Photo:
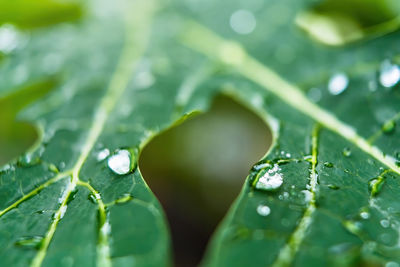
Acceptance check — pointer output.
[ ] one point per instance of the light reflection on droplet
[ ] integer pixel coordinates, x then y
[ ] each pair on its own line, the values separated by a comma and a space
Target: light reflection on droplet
338, 83
243, 21
389, 74
385, 223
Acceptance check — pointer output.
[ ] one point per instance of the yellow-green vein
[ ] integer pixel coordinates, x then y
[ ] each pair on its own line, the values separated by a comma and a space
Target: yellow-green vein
288, 252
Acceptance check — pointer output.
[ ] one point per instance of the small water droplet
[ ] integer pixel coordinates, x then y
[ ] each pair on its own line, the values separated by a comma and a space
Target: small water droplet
334, 187
364, 214
389, 127
270, 180
92, 198
385, 223
121, 162
243, 21
375, 185
328, 164
307, 196
9, 38
28, 160
392, 264
346, 152
263, 210
314, 94
338, 83
102, 154
389, 74
288, 155
53, 168
29, 242
63, 210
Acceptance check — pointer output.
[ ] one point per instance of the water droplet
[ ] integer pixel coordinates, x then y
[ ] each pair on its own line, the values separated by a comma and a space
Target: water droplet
53, 168
144, 79
392, 264
389, 127
30, 242
243, 21
307, 196
334, 187
270, 180
92, 198
338, 83
28, 160
346, 152
288, 155
375, 185
102, 154
385, 223
63, 210
106, 228
9, 38
389, 74
120, 162
328, 164
314, 94
364, 214
263, 210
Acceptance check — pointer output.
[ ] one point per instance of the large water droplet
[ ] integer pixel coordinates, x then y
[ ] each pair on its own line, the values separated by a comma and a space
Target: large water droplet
120, 162
243, 21
263, 210
338, 83
271, 180
29, 242
389, 74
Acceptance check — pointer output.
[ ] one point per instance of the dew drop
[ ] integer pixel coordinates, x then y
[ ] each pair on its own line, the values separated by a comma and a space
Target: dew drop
392, 264
120, 162
102, 154
385, 223
314, 94
29, 242
389, 127
263, 210
334, 187
53, 168
389, 74
271, 180
338, 83
307, 196
365, 215
28, 160
375, 185
9, 38
243, 21
346, 152
328, 164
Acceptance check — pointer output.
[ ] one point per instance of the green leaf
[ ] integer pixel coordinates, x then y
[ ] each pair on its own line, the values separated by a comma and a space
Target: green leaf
325, 194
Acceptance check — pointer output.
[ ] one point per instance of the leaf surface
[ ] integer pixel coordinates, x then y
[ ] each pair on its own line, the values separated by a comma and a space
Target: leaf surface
122, 77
